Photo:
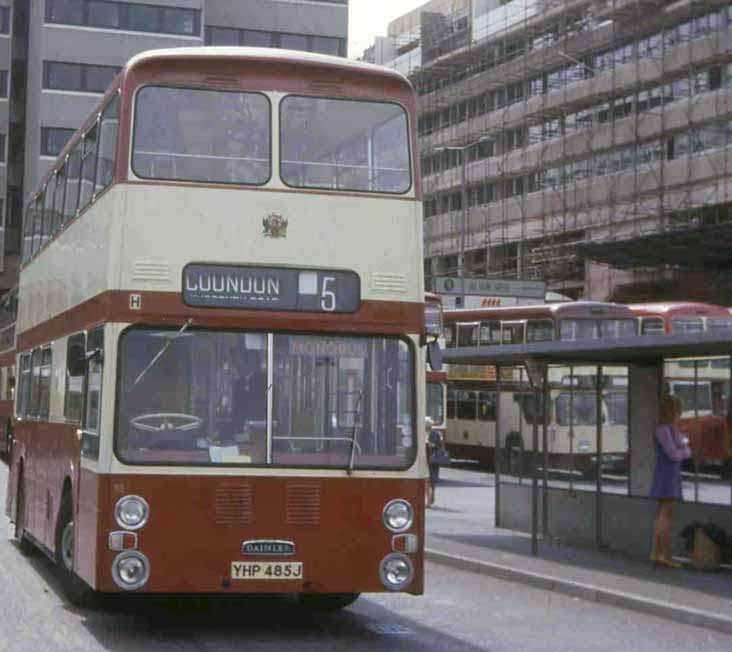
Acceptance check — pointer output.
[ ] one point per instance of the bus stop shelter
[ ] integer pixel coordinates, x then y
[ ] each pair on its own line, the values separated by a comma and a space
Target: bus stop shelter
608, 510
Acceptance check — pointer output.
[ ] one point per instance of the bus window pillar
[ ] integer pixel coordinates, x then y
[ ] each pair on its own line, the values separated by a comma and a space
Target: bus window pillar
644, 391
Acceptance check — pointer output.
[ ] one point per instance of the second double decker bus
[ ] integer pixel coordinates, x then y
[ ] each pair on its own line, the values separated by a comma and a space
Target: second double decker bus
475, 419
221, 387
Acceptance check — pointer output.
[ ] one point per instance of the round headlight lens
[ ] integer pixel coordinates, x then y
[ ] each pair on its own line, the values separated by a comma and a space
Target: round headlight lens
131, 512
398, 515
396, 571
130, 570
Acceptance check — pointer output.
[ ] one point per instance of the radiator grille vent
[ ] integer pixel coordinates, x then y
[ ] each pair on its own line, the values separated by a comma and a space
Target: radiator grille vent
383, 282
303, 504
151, 270
234, 504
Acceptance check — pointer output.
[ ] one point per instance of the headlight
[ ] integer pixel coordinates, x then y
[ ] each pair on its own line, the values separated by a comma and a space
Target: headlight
131, 512
583, 445
396, 571
398, 515
130, 570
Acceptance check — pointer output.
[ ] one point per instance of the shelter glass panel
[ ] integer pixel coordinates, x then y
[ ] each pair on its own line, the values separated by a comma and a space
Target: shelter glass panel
702, 387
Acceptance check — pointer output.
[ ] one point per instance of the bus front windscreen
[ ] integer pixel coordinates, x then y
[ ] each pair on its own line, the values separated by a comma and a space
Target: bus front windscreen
201, 397
344, 145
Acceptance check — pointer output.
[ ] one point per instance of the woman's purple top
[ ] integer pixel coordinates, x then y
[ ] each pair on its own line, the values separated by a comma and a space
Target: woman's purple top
671, 450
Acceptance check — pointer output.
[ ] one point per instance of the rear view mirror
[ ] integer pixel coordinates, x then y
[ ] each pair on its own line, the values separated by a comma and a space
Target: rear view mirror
434, 356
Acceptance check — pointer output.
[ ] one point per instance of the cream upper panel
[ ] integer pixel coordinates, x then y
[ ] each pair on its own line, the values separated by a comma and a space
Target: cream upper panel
140, 236
166, 227
76, 265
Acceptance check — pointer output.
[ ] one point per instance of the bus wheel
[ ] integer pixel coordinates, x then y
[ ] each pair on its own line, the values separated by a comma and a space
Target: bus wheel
327, 601
76, 591
24, 545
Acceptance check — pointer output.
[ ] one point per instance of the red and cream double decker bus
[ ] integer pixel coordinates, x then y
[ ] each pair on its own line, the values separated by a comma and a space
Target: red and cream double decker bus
476, 420
221, 385
8, 315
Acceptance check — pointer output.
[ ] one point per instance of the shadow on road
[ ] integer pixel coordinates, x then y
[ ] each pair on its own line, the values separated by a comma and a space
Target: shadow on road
127, 623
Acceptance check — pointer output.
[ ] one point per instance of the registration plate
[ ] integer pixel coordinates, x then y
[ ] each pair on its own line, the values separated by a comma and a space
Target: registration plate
266, 570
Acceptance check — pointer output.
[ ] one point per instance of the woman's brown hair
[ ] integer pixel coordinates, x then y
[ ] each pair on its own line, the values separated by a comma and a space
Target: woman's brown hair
669, 408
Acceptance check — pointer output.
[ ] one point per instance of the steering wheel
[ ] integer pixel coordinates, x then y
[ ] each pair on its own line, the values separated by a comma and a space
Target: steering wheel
167, 422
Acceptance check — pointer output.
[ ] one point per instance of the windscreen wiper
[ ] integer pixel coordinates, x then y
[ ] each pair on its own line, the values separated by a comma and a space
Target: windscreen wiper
164, 348
352, 456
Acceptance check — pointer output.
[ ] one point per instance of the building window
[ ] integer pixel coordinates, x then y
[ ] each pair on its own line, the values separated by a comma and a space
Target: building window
77, 77
327, 45
256, 38
2, 152
125, 16
294, 42
53, 140
3, 83
4, 20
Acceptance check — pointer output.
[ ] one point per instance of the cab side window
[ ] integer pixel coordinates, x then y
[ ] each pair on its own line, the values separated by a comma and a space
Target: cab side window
75, 366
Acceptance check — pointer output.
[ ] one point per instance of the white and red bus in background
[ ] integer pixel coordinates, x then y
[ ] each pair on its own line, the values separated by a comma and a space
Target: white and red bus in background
472, 401
221, 388
8, 315
702, 384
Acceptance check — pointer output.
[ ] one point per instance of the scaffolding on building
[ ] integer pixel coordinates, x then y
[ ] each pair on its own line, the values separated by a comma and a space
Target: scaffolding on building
602, 143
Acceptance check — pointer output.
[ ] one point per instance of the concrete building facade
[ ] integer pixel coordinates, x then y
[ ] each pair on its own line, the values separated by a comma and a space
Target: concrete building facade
62, 54
597, 144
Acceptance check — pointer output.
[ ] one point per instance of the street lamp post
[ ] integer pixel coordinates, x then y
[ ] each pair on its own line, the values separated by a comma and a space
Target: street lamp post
463, 149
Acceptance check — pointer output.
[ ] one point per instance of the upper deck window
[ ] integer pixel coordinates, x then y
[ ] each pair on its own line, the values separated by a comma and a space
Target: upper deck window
344, 145
652, 326
592, 329
687, 325
185, 134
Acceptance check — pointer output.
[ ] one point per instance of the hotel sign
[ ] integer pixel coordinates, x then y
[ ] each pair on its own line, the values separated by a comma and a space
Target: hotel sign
270, 288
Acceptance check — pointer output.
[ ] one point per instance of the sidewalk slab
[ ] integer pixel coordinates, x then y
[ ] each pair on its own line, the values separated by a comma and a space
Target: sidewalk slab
460, 533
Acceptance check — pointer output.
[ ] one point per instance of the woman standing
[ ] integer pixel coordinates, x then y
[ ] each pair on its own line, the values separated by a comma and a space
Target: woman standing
433, 442
671, 449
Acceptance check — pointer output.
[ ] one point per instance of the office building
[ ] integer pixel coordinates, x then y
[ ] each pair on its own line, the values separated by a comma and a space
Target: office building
597, 137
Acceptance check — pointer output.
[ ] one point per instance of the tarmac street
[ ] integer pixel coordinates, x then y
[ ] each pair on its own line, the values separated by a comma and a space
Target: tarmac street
461, 611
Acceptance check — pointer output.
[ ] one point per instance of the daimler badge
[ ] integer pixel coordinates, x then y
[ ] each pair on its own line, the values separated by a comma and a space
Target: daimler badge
267, 547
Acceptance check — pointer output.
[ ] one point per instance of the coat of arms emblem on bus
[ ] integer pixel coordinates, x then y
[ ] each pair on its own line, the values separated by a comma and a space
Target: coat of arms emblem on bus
275, 226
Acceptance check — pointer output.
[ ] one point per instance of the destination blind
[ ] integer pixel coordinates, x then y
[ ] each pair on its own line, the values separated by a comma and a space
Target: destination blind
270, 288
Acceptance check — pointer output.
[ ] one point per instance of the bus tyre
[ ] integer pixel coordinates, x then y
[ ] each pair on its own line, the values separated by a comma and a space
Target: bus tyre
327, 601
76, 591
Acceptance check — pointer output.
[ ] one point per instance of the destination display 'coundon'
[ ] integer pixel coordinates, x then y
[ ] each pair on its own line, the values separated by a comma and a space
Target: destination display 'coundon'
270, 288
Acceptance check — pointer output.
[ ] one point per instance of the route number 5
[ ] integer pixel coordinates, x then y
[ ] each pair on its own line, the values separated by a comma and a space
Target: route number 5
327, 297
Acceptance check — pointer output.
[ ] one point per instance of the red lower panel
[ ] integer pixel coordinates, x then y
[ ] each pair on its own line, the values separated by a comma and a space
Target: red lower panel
198, 524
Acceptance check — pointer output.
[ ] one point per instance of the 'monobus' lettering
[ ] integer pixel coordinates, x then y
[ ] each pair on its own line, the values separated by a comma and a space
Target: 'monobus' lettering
232, 284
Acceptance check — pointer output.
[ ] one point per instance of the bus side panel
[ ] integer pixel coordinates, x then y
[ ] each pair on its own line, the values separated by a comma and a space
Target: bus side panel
87, 530
198, 524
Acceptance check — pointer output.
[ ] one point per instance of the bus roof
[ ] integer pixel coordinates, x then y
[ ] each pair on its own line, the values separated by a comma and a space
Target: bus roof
576, 309
678, 309
268, 55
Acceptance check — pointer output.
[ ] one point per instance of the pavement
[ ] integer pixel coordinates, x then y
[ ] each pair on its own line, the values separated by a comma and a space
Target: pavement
461, 534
